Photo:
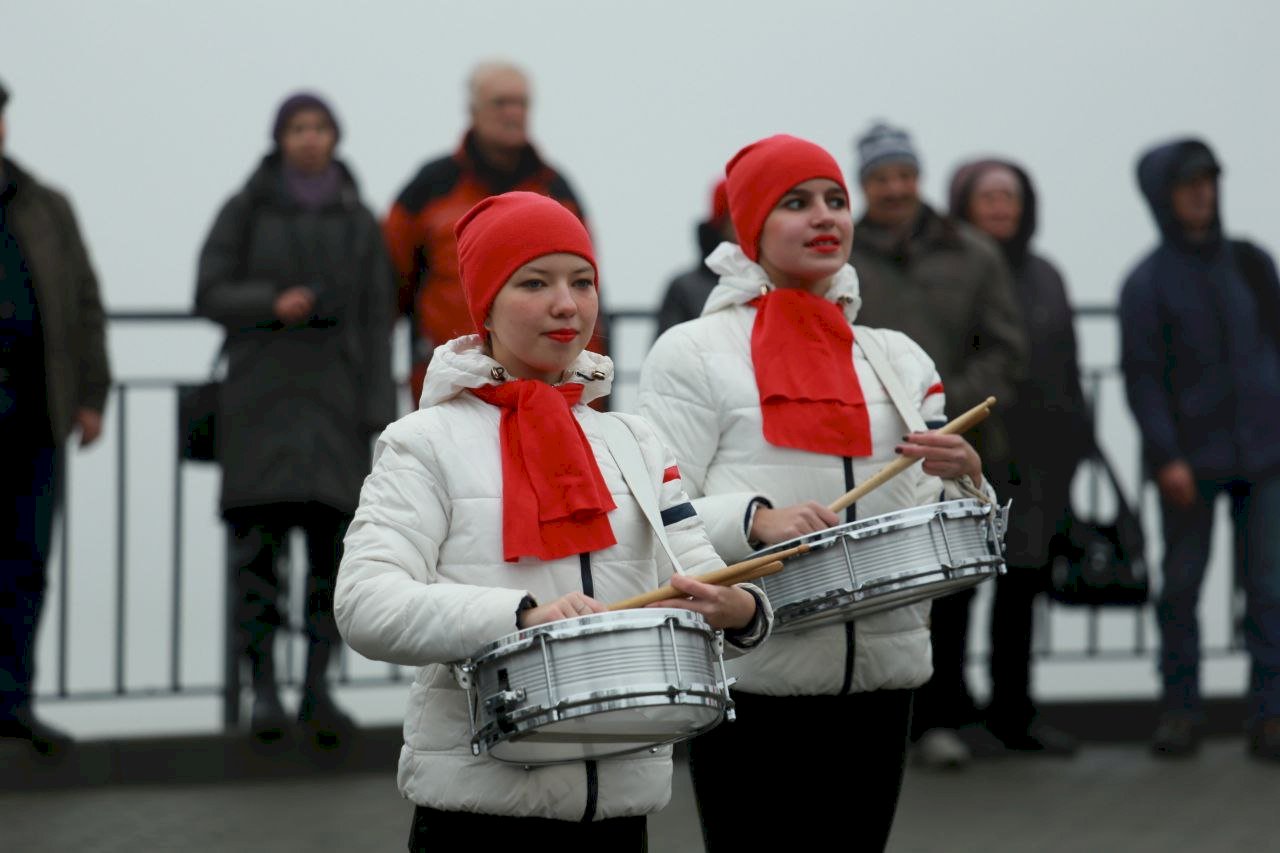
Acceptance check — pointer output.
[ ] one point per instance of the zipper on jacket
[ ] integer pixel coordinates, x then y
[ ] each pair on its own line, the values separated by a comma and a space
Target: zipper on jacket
584, 563
593, 772
593, 792
851, 513
850, 648
850, 641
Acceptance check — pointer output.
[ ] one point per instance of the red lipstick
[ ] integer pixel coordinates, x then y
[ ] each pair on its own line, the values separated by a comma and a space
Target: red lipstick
826, 244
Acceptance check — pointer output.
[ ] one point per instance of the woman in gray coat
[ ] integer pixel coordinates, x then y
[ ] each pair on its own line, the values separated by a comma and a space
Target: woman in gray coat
295, 270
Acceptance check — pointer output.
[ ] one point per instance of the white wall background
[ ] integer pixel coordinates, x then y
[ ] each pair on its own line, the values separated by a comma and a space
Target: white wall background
151, 113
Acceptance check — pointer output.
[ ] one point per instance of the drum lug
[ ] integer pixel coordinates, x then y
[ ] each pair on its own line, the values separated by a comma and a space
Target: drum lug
1002, 524
998, 526
504, 699
462, 673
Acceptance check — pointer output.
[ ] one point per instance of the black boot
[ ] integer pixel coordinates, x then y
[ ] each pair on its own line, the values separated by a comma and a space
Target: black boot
45, 739
268, 723
320, 716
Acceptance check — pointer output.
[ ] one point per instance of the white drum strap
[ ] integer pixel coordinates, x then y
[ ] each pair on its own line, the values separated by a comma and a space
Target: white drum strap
625, 448
866, 338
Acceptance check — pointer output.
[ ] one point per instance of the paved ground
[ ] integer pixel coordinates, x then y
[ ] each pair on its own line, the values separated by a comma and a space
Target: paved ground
1112, 798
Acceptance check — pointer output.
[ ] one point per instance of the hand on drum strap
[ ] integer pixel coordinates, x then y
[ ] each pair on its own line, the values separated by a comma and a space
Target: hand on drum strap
564, 607
947, 456
726, 607
771, 526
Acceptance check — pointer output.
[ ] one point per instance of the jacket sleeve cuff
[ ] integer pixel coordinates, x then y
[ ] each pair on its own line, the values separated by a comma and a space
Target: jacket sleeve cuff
492, 616
727, 517
742, 640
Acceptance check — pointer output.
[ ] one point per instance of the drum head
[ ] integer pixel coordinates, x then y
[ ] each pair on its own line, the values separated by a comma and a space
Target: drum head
594, 623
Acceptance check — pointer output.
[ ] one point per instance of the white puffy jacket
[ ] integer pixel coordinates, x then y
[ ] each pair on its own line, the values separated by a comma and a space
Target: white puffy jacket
423, 583
698, 390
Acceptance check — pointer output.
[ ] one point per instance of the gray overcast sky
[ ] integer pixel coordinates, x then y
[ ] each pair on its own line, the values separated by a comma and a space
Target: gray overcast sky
150, 113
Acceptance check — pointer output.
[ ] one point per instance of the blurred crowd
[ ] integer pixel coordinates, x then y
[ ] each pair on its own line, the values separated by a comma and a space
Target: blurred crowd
307, 281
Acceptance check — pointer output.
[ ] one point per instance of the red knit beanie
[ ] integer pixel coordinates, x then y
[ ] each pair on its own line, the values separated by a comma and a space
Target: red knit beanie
763, 172
719, 202
503, 233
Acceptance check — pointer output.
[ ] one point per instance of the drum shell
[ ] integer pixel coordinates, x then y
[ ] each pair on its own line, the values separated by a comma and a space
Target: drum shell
885, 561
657, 671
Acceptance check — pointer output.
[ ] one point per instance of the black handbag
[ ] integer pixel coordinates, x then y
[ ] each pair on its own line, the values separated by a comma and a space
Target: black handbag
198, 417
1096, 563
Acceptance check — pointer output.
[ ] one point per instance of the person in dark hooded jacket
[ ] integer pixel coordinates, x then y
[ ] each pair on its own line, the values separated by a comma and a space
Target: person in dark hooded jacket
296, 272
1048, 429
1200, 326
688, 292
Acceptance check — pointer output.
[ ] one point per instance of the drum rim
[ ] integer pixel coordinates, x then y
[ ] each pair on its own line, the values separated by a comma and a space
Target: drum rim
595, 623
974, 573
888, 522
962, 568
488, 735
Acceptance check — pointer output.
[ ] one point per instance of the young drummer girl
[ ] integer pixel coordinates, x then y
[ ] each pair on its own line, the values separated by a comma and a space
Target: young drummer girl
497, 506
774, 412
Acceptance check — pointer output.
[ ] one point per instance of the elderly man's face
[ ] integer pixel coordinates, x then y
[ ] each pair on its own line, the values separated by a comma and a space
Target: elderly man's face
893, 194
500, 110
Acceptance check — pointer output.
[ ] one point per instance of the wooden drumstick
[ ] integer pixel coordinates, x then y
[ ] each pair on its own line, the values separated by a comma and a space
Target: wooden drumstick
728, 576
761, 572
962, 423
662, 593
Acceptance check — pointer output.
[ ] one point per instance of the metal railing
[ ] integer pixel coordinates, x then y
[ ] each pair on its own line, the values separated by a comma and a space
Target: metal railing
176, 683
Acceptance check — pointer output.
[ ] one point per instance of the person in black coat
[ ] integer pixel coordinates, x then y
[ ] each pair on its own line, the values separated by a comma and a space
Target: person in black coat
1049, 433
295, 270
688, 292
54, 382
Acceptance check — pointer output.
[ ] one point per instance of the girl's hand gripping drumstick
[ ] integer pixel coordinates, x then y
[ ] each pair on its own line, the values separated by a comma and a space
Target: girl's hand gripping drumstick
961, 424
737, 573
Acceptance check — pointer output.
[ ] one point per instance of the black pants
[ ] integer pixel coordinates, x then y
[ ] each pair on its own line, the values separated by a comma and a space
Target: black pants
258, 534
433, 830
945, 701
789, 764
29, 478
1012, 627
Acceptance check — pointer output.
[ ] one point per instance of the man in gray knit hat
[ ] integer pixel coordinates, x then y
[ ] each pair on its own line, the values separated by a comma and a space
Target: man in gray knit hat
946, 286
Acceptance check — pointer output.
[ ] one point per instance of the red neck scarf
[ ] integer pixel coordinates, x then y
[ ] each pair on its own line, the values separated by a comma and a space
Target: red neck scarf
554, 500
802, 351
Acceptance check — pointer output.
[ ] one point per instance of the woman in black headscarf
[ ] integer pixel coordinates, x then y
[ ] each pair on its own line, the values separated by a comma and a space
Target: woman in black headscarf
295, 270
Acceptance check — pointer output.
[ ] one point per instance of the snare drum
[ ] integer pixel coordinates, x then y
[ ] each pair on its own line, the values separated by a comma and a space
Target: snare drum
596, 686
887, 561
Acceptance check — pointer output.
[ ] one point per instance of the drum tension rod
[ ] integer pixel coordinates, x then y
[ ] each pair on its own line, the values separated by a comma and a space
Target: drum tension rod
673, 690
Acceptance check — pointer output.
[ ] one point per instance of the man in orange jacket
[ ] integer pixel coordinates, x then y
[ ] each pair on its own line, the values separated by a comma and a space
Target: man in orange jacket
495, 157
